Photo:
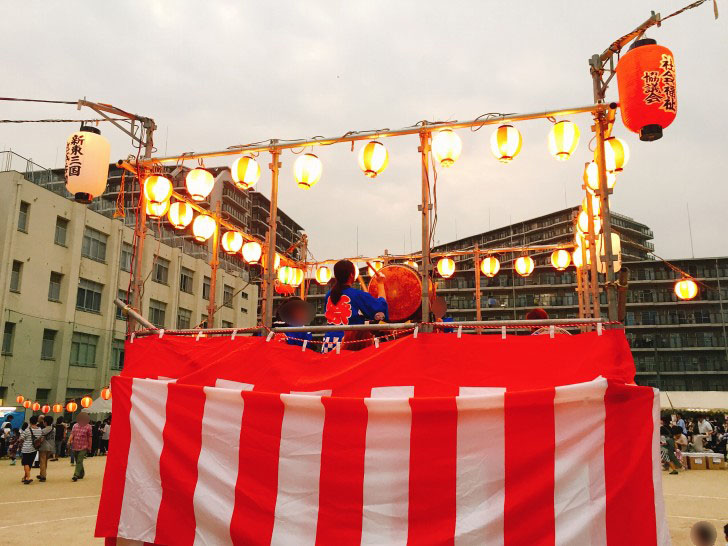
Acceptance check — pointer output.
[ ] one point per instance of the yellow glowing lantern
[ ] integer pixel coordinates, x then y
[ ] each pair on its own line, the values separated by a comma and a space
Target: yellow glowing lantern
686, 289
490, 266
35, 406
323, 275
583, 223
157, 210
616, 154
20, 399
446, 267
203, 227
297, 276
560, 259
576, 258
596, 204
232, 242
106, 393
447, 146
86, 401
245, 172
524, 266
71, 406
57, 408
287, 274
616, 252
199, 183
563, 139
180, 215
87, 164
307, 171
252, 251
412, 264
378, 264
591, 177
157, 188
505, 143
373, 158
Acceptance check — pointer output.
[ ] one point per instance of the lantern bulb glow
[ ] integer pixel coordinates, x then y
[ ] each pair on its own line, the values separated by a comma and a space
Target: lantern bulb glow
616, 154
245, 172
591, 177
232, 242
157, 188
157, 210
323, 275
373, 158
490, 266
307, 171
686, 289
560, 259
252, 251
447, 146
505, 143
203, 227
446, 267
524, 266
563, 139
180, 215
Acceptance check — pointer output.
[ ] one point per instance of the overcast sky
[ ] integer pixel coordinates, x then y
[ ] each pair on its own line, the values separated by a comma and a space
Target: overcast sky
218, 73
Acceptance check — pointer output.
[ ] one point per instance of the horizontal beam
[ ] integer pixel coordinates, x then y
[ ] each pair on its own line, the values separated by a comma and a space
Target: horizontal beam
383, 133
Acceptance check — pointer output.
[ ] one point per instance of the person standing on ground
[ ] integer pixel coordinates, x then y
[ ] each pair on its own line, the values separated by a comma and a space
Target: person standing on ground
80, 442
28, 448
48, 446
14, 446
60, 437
681, 424
106, 431
705, 431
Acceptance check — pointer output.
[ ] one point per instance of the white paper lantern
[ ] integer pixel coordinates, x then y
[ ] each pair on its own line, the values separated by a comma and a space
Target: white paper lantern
87, 164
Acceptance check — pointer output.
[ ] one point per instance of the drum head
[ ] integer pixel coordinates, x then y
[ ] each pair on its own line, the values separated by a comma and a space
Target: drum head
403, 290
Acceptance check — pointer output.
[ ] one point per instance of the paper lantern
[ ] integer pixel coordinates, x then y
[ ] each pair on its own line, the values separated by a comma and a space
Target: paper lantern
446, 267
106, 393
583, 223
19, 399
203, 227
373, 158
577, 258
283, 289
447, 146
71, 406
596, 204
157, 210
560, 259
87, 164
591, 177
245, 172
563, 139
686, 289
505, 143
180, 215
647, 89
35, 406
616, 154
86, 401
27, 404
199, 183
57, 408
45, 408
412, 264
378, 264
290, 275
307, 171
524, 266
602, 254
323, 275
232, 242
298, 276
252, 251
490, 266
157, 188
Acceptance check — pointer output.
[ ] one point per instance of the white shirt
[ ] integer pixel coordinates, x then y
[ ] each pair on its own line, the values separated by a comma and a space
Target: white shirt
704, 427
107, 431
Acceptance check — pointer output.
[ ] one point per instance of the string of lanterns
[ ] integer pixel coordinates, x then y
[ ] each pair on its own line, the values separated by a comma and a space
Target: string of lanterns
70, 406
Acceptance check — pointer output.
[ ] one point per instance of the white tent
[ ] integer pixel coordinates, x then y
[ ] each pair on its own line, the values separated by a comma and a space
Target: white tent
694, 400
99, 406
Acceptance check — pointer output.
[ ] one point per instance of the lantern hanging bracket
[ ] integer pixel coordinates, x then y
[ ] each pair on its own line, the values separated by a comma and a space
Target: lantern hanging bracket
102, 109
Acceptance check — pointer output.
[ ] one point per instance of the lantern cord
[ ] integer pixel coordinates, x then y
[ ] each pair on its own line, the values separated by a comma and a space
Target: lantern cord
60, 120
489, 115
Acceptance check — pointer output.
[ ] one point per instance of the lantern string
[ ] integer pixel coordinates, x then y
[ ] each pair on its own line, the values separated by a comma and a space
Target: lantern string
60, 120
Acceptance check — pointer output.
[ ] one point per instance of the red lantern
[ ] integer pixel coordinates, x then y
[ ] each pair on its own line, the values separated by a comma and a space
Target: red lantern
86, 401
106, 393
35, 406
19, 399
57, 408
46, 408
27, 404
647, 90
284, 289
71, 406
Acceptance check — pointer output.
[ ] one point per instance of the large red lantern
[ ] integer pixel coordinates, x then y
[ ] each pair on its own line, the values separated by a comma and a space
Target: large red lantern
45, 409
27, 404
647, 90
86, 401
71, 406
57, 408
35, 406
106, 393
20, 399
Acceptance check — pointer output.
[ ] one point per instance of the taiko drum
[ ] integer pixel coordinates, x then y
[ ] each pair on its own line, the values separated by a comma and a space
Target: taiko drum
402, 290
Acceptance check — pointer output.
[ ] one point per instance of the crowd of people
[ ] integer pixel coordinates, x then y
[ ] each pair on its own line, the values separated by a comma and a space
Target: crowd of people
42, 439
699, 435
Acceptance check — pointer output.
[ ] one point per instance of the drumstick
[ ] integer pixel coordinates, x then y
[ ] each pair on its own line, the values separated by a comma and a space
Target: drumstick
376, 271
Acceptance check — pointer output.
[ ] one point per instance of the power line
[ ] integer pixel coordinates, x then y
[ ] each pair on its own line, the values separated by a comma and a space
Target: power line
39, 100
59, 120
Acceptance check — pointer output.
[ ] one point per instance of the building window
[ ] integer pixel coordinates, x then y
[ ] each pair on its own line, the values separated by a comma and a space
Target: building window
227, 296
42, 395
54, 287
157, 310
88, 297
83, 350
125, 261
48, 349
161, 271
227, 324
94, 245
203, 321
184, 318
244, 295
244, 310
23, 216
15, 274
121, 294
61, 231
186, 278
206, 288
8, 336
117, 354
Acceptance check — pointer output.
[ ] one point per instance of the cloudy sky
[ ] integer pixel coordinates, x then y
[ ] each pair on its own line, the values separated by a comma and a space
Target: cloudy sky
218, 73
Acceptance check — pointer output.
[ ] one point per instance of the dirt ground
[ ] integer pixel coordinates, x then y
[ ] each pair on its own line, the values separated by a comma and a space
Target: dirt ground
60, 512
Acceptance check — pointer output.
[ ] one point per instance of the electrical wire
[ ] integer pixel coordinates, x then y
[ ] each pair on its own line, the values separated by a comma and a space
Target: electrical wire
15, 99
60, 120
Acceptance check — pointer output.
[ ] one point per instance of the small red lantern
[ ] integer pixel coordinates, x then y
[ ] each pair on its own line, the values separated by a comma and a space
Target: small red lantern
27, 404
86, 401
71, 406
106, 393
46, 408
57, 408
19, 399
647, 90
284, 289
36, 406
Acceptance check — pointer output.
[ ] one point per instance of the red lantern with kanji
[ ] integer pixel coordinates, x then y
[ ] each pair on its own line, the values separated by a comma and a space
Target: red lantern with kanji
46, 408
647, 89
35, 406
71, 406
106, 393
86, 401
